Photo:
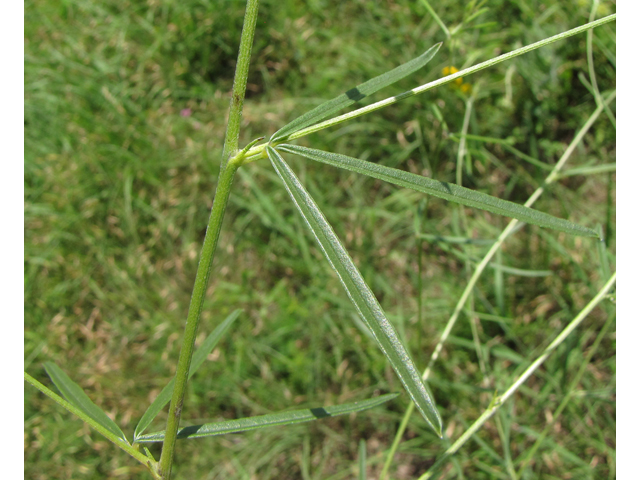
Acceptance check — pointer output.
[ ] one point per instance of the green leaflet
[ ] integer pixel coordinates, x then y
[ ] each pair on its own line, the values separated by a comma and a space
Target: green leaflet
446, 191
74, 394
270, 420
196, 362
443, 80
355, 94
359, 292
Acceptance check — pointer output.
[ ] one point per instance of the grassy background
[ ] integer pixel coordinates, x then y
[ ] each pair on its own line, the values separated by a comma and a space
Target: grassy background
118, 186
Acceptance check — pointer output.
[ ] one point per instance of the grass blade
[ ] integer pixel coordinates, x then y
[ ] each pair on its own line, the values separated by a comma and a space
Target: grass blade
270, 420
196, 362
355, 94
74, 394
359, 292
446, 191
362, 461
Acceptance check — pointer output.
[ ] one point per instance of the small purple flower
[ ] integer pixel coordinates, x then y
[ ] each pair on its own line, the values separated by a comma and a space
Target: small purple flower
185, 112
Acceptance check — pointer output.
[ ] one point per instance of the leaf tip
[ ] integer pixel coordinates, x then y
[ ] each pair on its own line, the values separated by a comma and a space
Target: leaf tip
436, 47
595, 233
437, 428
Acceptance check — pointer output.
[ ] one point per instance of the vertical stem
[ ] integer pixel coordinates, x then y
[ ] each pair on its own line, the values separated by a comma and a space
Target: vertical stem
422, 207
462, 146
419, 247
193, 317
591, 66
227, 172
240, 82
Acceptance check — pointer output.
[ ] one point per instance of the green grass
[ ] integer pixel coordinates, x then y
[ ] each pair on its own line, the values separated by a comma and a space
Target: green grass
118, 187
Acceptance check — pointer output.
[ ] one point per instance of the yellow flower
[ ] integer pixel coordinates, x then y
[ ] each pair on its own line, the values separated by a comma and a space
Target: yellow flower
458, 82
451, 71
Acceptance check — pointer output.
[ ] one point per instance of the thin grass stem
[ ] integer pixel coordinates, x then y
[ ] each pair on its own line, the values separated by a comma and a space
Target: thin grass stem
591, 65
436, 18
565, 401
592, 170
463, 139
500, 400
592, 70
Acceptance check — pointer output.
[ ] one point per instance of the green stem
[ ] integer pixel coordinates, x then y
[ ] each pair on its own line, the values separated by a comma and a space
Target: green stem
228, 168
193, 317
462, 145
146, 461
592, 71
240, 82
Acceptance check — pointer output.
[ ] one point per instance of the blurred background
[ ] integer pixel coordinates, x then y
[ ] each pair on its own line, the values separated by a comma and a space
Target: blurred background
125, 110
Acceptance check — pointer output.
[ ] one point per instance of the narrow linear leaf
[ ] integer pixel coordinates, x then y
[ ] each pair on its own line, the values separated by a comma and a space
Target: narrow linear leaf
196, 362
270, 420
589, 170
520, 271
359, 292
74, 394
362, 461
355, 94
444, 190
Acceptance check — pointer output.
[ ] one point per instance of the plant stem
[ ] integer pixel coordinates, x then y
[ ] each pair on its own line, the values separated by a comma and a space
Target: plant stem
228, 168
240, 83
462, 146
193, 317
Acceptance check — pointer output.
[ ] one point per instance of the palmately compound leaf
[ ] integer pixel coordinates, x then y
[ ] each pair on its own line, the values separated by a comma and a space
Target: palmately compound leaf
198, 359
446, 191
359, 292
74, 394
355, 94
270, 420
